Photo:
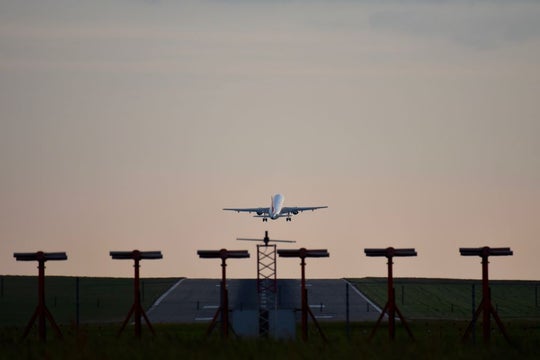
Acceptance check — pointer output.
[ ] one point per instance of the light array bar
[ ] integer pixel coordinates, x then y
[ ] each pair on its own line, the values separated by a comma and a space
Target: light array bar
40, 256
390, 252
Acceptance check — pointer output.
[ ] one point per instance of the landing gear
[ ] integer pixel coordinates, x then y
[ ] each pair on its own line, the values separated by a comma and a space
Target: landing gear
288, 219
265, 219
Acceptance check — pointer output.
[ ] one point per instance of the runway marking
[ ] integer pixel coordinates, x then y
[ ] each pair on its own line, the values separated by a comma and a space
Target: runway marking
203, 319
210, 306
324, 317
318, 306
160, 299
363, 296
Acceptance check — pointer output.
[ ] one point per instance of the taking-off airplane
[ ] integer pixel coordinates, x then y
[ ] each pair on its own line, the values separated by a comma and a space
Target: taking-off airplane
276, 209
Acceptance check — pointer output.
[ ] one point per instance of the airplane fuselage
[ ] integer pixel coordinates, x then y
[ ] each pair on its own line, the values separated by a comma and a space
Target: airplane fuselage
276, 206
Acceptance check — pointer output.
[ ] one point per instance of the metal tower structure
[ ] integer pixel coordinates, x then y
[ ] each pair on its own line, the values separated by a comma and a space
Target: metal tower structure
485, 307
223, 308
136, 309
303, 253
41, 313
391, 308
266, 285
266, 280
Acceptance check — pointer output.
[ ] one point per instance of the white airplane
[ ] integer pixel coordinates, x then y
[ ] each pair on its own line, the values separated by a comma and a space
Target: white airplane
276, 209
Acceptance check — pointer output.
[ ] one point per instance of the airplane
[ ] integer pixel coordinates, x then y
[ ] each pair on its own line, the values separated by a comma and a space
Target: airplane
276, 209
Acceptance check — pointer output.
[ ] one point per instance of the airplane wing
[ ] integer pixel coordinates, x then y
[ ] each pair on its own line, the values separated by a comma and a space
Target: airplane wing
296, 209
259, 211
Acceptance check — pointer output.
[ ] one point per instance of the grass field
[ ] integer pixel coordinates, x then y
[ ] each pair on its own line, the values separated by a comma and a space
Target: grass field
452, 299
101, 300
434, 340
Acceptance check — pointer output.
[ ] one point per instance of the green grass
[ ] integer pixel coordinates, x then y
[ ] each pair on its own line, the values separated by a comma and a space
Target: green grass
452, 299
434, 340
101, 300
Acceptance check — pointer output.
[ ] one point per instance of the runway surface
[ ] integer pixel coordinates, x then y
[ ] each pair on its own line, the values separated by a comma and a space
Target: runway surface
197, 300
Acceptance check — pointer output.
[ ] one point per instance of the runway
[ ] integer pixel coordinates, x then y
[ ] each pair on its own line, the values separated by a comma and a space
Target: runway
197, 300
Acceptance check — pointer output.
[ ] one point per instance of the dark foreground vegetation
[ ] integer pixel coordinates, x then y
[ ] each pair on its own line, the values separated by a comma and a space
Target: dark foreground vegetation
434, 340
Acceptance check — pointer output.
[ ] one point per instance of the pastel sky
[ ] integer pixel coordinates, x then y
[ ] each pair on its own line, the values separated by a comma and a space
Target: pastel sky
130, 124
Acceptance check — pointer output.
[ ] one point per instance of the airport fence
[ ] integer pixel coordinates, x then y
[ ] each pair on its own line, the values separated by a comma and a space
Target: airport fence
73, 300
455, 299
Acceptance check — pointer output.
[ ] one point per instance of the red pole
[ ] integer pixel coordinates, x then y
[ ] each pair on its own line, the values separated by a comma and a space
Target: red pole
41, 297
391, 301
486, 294
137, 295
304, 299
224, 301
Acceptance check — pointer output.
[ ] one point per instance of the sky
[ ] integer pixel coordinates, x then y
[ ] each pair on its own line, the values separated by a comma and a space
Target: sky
130, 124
